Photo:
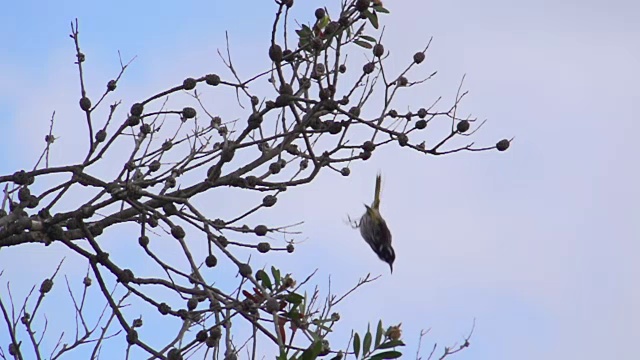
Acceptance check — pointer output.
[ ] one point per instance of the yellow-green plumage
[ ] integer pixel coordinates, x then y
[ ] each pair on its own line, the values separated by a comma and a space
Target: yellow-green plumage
376, 196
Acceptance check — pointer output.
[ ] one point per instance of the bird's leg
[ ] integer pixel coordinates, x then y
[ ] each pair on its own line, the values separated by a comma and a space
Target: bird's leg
353, 223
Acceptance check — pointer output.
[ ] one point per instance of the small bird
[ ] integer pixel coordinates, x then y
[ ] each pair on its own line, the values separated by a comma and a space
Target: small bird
374, 229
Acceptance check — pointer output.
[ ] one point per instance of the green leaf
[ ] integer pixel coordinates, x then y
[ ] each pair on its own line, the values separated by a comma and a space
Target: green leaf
312, 352
306, 31
276, 275
373, 18
324, 327
366, 344
294, 313
265, 280
379, 8
356, 345
294, 298
379, 333
315, 336
390, 344
368, 38
303, 309
364, 44
386, 355
282, 355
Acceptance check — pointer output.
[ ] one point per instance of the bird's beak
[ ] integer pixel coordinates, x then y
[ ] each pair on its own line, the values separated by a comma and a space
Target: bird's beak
391, 267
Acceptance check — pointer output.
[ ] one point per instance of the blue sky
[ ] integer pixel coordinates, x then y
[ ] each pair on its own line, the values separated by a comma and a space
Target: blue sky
538, 244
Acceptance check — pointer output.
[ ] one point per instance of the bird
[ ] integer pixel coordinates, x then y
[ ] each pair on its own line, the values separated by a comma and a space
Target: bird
374, 229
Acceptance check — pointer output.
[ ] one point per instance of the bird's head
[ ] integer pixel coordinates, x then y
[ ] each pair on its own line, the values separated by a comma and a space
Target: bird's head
388, 255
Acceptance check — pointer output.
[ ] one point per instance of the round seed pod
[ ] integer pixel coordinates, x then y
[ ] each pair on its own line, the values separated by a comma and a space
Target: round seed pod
275, 167
286, 89
46, 286
261, 230
164, 309
174, 354
178, 232
362, 5
403, 139
101, 136
24, 194
245, 270
368, 68
463, 126
212, 79
132, 337
503, 145
192, 303
143, 241
202, 336
145, 129
189, 84
154, 165
136, 109
368, 146
211, 261
287, 55
264, 247
275, 53
255, 119
188, 112
283, 100
85, 103
133, 120
378, 50
269, 200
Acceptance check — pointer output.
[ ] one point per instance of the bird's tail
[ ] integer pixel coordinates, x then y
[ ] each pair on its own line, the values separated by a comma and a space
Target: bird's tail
376, 198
